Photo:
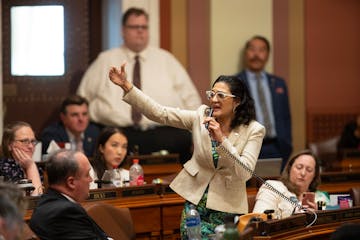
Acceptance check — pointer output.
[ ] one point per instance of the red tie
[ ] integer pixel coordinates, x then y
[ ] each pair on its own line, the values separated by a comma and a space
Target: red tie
136, 115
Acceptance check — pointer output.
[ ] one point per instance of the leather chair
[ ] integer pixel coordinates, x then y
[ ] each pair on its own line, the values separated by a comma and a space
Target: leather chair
355, 195
27, 233
116, 222
326, 151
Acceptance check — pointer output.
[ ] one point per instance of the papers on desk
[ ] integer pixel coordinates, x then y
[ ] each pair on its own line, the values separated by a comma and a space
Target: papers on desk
37, 152
52, 147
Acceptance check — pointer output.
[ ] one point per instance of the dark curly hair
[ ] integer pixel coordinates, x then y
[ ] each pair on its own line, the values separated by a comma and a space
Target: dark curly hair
245, 111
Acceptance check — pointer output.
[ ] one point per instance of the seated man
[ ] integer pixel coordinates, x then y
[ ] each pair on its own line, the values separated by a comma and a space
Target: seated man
58, 214
74, 127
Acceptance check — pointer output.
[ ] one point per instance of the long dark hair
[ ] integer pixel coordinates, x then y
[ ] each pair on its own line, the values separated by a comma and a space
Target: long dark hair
245, 111
98, 162
285, 176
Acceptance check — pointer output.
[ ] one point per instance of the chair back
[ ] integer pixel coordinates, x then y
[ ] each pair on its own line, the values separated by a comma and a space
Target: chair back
355, 195
27, 233
116, 222
326, 150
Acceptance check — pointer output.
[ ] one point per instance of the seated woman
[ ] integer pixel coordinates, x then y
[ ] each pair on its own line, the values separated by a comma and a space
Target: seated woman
301, 175
110, 152
18, 146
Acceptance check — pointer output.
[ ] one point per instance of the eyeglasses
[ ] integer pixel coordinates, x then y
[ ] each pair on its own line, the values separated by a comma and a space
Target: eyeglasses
27, 141
137, 27
220, 95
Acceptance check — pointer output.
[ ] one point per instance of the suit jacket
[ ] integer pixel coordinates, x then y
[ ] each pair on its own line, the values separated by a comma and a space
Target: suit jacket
281, 108
56, 217
58, 133
226, 182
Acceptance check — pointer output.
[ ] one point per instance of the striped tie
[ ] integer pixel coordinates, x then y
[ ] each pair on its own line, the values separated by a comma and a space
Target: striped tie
263, 106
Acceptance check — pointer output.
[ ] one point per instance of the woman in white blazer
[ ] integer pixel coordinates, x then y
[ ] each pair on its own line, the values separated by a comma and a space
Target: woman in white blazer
212, 179
300, 176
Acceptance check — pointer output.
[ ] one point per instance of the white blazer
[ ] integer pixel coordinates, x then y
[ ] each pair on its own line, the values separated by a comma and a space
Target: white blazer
227, 182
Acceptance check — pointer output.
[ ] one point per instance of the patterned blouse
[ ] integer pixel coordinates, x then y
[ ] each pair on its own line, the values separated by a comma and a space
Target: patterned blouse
12, 171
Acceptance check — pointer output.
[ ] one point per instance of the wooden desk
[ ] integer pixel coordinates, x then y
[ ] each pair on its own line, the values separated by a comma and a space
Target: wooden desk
156, 214
294, 227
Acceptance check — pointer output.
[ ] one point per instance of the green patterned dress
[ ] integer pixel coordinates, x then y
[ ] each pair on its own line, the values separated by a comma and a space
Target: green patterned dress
209, 218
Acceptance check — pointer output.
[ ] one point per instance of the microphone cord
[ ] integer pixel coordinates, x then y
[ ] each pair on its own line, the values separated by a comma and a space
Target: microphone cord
268, 185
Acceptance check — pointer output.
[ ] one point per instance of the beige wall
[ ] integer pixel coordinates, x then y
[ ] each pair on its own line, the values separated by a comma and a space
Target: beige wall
232, 23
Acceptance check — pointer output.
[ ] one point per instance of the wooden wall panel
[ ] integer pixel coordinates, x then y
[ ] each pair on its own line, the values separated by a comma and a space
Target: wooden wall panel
36, 99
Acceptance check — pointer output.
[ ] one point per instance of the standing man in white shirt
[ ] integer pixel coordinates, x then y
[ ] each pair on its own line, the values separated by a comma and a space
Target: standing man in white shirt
162, 77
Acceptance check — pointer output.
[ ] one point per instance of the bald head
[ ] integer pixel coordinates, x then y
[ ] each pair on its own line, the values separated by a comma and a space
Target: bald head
68, 173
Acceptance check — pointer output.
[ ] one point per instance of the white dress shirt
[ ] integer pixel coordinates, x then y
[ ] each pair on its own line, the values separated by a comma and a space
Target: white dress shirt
162, 77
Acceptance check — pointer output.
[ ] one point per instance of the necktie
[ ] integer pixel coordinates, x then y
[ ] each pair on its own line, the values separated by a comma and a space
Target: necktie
136, 115
263, 106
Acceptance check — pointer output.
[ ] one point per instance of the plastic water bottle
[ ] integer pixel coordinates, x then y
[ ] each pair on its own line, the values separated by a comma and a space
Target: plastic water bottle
231, 232
116, 177
193, 224
136, 174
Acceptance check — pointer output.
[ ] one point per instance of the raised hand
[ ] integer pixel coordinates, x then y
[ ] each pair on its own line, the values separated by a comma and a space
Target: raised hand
118, 77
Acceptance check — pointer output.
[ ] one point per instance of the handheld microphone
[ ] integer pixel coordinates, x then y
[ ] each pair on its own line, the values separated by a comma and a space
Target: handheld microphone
209, 115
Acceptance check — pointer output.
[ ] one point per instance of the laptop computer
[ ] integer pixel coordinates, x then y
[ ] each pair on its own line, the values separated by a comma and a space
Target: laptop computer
268, 167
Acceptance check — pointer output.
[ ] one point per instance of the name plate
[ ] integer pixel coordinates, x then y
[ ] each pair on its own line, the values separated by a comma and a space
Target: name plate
134, 191
102, 194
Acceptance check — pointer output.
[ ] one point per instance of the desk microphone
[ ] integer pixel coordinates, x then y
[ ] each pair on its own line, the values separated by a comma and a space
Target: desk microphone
209, 114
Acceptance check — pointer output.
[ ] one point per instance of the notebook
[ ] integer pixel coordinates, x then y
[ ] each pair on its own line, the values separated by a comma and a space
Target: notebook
268, 167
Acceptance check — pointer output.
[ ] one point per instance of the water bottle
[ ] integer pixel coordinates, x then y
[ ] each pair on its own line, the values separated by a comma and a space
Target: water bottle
193, 224
136, 174
231, 232
116, 177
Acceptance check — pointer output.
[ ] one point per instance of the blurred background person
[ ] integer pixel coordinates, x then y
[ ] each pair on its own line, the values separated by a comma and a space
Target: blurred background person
74, 127
301, 175
18, 146
159, 74
58, 214
350, 136
271, 100
111, 150
12, 210
211, 180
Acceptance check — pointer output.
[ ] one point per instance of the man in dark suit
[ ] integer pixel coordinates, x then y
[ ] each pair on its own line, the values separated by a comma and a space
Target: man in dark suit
58, 214
271, 100
73, 129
